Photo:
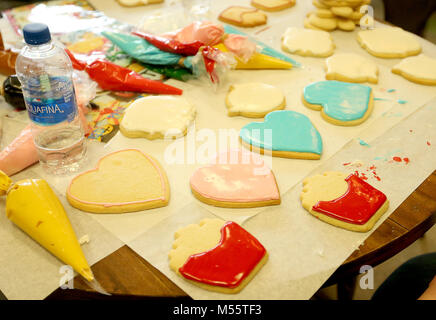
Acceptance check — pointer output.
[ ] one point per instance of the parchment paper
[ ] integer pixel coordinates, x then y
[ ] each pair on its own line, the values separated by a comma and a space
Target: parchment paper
304, 251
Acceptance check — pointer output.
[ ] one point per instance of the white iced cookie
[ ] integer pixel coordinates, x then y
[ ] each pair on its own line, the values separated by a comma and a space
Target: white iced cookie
345, 201
254, 100
389, 42
243, 16
305, 42
350, 67
216, 255
157, 117
134, 3
420, 69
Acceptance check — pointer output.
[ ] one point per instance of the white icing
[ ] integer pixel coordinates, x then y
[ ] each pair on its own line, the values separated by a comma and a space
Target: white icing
389, 41
159, 114
421, 66
317, 42
351, 65
254, 97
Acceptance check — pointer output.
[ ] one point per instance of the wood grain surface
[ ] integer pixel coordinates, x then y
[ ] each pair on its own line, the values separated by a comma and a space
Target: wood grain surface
124, 274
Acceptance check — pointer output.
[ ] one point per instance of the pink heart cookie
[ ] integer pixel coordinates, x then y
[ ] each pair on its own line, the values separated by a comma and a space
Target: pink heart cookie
236, 180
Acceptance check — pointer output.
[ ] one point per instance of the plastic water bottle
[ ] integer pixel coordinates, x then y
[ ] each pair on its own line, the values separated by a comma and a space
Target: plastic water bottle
45, 72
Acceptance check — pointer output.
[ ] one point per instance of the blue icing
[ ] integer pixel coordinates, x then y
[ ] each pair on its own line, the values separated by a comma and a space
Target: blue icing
341, 100
142, 50
288, 131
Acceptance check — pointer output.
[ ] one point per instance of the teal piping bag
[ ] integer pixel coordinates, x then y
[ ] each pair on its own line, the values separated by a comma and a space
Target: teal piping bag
139, 49
265, 49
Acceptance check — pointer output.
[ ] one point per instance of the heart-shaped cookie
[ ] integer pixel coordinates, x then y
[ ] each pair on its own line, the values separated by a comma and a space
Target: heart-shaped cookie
123, 181
284, 133
342, 103
237, 180
225, 260
344, 201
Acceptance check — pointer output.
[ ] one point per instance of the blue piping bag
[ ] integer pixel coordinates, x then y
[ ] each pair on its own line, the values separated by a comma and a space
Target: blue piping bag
139, 49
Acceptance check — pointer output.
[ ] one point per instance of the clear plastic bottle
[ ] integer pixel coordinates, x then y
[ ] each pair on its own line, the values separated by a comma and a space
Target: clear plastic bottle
45, 72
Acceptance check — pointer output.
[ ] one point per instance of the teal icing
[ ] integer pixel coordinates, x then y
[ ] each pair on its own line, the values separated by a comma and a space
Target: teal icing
265, 49
283, 130
142, 50
342, 101
402, 101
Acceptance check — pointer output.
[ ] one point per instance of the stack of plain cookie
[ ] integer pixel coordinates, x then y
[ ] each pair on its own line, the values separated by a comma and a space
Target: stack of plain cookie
330, 15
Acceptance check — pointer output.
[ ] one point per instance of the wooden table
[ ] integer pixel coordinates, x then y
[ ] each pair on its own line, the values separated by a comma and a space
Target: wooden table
125, 274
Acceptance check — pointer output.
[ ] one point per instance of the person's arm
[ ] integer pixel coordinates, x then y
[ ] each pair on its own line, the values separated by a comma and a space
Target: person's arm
430, 293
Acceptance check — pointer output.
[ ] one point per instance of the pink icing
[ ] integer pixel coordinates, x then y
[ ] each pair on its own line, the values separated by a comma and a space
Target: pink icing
240, 45
236, 177
205, 31
113, 204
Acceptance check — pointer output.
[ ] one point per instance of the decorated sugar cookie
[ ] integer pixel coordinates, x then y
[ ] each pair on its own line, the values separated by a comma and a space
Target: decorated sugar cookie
341, 103
344, 201
217, 255
389, 42
254, 100
237, 179
306, 42
157, 117
420, 69
243, 16
272, 5
351, 67
123, 181
286, 134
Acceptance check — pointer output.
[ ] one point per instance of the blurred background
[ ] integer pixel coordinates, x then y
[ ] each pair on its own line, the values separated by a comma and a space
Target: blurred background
417, 16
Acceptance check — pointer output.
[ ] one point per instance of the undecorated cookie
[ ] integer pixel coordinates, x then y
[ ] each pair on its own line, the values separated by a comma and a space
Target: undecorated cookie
305, 42
243, 16
284, 133
346, 24
254, 99
345, 12
328, 24
340, 103
157, 117
134, 3
344, 201
420, 69
217, 255
272, 5
324, 13
123, 181
350, 67
236, 179
389, 42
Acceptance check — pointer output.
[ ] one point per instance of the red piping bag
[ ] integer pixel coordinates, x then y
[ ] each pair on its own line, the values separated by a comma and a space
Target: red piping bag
111, 76
171, 45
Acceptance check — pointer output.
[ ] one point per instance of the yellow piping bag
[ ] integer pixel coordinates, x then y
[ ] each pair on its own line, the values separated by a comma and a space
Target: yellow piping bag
33, 207
258, 61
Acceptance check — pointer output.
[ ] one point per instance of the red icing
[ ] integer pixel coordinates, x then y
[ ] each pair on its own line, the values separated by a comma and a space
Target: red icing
230, 262
397, 159
357, 205
406, 160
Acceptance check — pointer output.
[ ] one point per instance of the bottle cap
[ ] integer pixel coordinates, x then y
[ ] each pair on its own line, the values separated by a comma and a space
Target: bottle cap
36, 33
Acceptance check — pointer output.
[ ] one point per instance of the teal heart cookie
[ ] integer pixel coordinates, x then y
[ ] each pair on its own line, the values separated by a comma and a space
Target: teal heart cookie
343, 103
287, 133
